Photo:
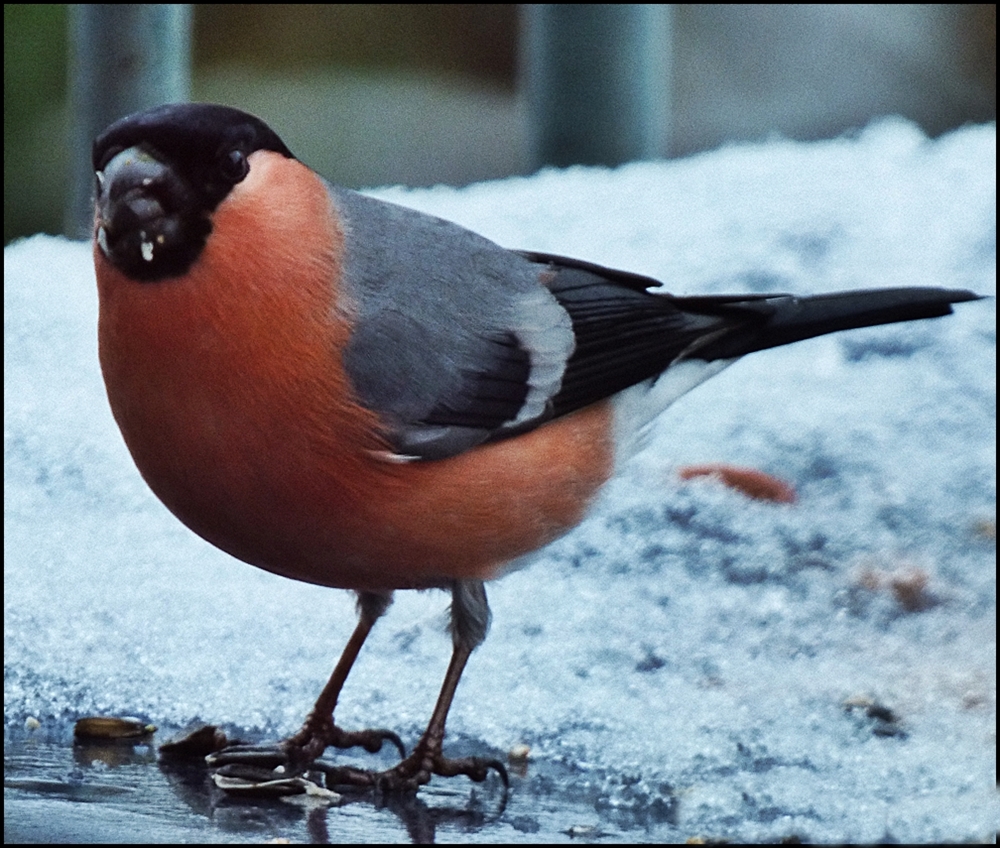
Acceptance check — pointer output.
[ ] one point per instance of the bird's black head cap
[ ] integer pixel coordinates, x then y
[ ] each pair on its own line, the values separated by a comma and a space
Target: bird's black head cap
155, 205
191, 134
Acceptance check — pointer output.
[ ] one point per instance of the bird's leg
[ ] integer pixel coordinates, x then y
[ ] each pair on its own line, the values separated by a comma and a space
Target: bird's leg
295, 754
470, 619
319, 730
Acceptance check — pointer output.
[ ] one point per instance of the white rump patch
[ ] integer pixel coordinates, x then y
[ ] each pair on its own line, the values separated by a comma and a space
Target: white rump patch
637, 407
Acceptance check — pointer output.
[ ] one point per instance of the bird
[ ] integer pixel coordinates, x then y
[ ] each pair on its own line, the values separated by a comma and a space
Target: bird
358, 395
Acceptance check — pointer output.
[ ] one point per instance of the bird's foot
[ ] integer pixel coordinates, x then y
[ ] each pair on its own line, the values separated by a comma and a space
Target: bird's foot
292, 766
416, 770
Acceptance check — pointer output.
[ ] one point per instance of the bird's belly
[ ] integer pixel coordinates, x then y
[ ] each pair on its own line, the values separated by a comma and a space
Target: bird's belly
354, 519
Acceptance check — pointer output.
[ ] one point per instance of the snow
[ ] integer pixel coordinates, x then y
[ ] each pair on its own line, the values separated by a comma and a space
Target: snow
686, 653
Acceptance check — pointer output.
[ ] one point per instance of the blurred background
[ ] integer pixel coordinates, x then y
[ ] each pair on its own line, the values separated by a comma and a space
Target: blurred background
374, 95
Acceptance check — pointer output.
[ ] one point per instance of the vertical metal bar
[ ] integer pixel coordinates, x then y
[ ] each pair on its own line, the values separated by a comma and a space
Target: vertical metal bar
123, 58
598, 81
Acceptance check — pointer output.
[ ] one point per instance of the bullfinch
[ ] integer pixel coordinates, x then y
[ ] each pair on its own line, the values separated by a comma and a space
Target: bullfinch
354, 394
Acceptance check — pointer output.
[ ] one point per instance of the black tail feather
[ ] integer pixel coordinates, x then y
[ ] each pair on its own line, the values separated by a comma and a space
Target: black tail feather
784, 319
627, 330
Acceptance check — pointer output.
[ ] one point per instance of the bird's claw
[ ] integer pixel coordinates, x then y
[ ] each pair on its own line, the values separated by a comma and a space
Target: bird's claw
417, 769
371, 740
289, 767
261, 770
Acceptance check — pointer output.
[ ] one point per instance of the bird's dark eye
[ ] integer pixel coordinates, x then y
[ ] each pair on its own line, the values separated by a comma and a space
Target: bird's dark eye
233, 165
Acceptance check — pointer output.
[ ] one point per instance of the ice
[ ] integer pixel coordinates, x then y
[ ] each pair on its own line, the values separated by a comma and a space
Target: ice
686, 652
